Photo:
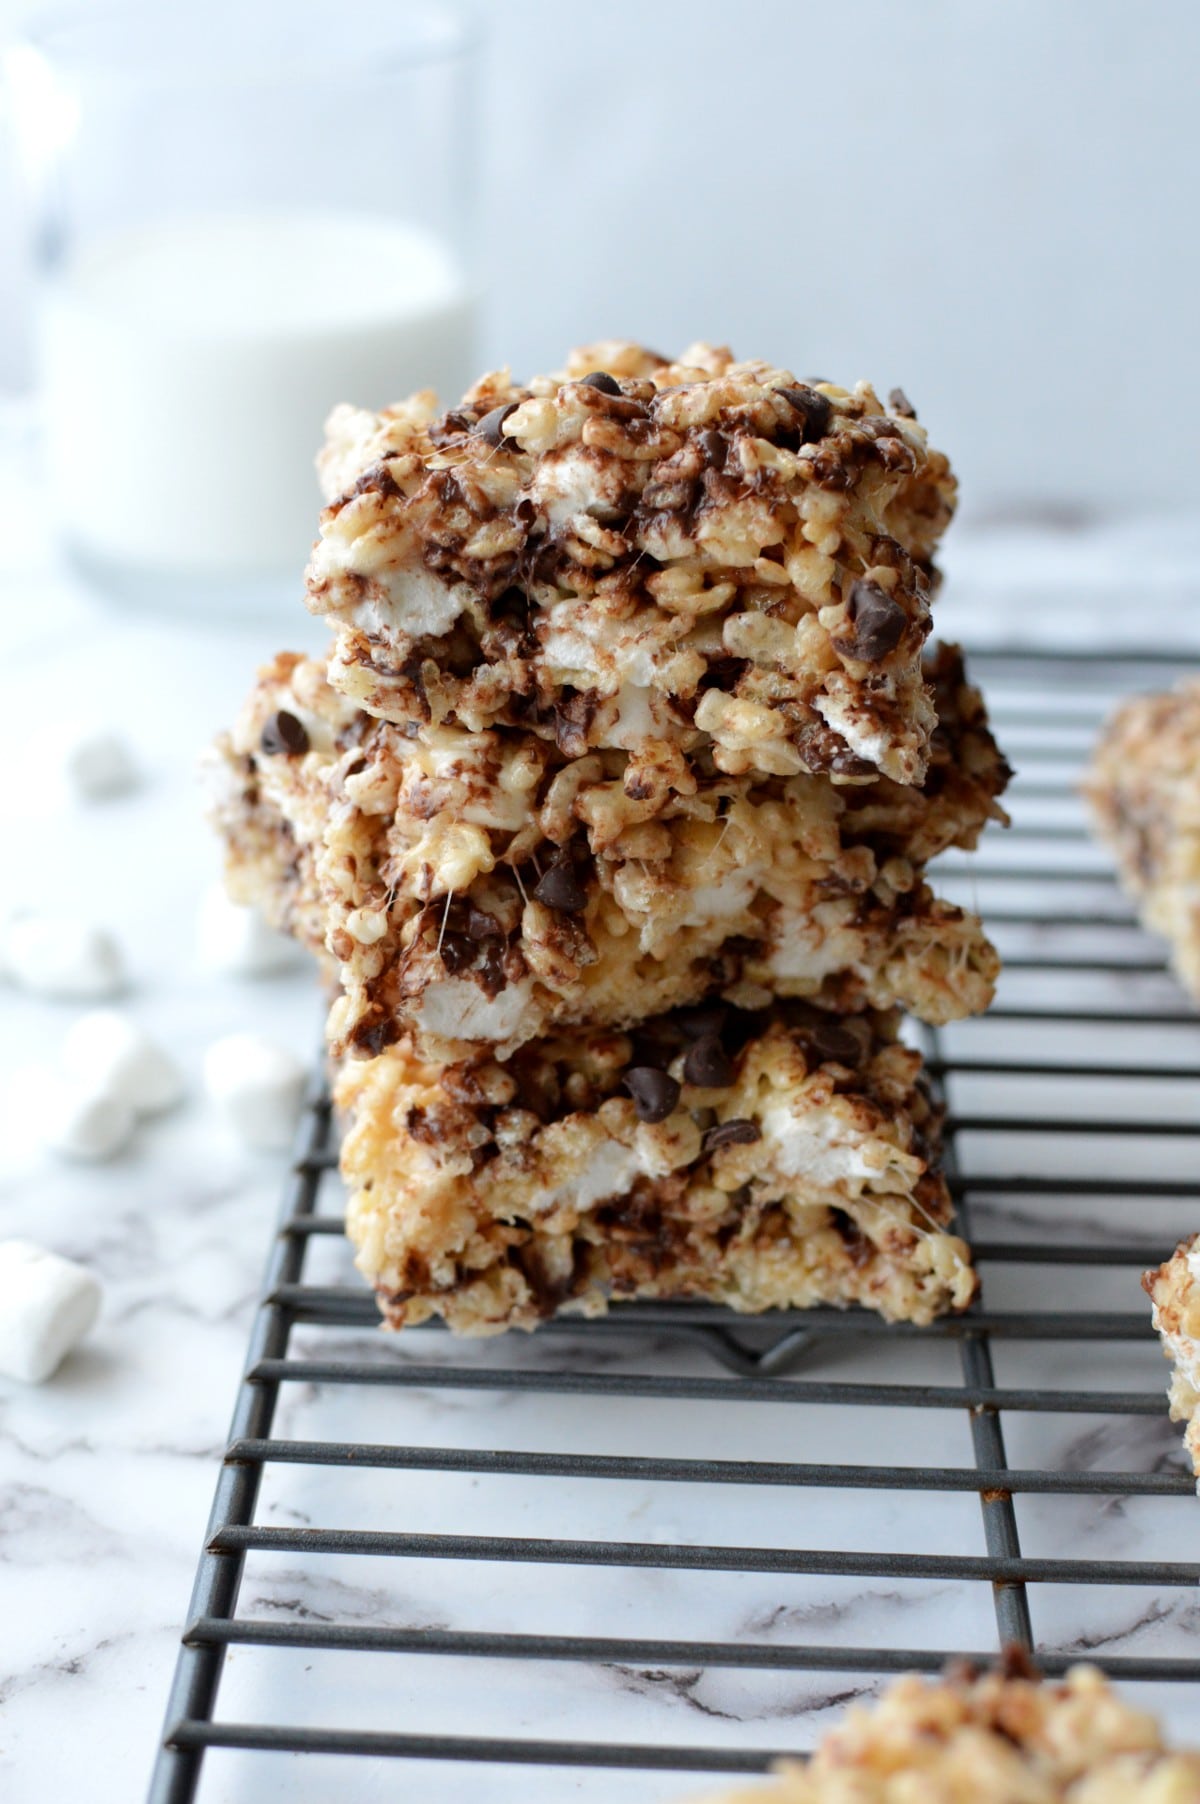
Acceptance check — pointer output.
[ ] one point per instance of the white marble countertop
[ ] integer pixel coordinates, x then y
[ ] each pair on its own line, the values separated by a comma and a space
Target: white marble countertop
106, 1473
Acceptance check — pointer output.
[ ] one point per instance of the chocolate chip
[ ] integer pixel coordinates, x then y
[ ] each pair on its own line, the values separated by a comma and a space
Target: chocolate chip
707, 1064
714, 446
491, 426
724, 673
879, 622
852, 1237
378, 480
573, 717
457, 953
282, 732
602, 381
1016, 1663
561, 890
654, 1093
737, 1132
377, 1036
481, 926
835, 1045
703, 1022
814, 410
900, 404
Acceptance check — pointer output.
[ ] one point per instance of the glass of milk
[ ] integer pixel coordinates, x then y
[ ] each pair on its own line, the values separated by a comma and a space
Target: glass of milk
241, 214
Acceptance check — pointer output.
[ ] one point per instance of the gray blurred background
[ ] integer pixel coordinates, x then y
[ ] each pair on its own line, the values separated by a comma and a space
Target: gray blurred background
990, 202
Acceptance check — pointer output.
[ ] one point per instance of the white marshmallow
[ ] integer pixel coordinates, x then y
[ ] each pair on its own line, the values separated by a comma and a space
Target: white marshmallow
60, 957
114, 1056
47, 1305
76, 1119
259, 1088
237, 941
97, 765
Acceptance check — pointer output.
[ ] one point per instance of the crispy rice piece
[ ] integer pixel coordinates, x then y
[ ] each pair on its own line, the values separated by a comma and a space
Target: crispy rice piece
771, 1160
990, 1739
692, 555
1144, 790
1174, 1292
489, 888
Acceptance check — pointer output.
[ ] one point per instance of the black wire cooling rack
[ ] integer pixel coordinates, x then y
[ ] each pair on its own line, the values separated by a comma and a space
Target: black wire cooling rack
674, 1541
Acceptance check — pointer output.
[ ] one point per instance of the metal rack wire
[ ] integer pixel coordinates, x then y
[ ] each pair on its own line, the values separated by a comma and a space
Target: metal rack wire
1072, 1135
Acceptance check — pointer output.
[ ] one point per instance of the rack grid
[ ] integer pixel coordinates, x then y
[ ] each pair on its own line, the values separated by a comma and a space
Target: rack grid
1072, 1134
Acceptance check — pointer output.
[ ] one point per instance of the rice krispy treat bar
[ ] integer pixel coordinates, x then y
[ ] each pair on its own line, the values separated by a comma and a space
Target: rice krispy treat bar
990, 1739
646, 555
768, 1160
486, 888
1174, 1292
1144, 789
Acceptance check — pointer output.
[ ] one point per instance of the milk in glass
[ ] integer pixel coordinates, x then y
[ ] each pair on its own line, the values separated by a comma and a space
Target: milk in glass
188, 368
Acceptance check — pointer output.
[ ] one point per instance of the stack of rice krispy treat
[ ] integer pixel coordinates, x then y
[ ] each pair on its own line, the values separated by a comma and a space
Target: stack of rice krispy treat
608, 813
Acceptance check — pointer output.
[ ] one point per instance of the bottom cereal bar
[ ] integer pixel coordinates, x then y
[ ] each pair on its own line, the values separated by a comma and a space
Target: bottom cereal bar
773, 1159
990, 1739
1144, 789
1174, 1291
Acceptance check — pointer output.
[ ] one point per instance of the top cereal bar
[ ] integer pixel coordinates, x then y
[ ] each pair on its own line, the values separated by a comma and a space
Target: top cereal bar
700, 560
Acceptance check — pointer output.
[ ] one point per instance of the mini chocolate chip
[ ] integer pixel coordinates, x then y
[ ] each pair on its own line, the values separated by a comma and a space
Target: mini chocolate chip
654, 1093
1015, 1663
814, 409
714, 446
481, 926
561, 890
378, 480
376, 1037
899, 403
707, 1064
491, 426
837, 1045
457, 953
879, 622
699, 1023
736, 1132
601, 380
724, 673
525, 511
282, 732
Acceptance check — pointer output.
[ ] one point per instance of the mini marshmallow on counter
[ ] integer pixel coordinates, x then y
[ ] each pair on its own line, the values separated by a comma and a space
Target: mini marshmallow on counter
47, 1305
237, 941
73, 1117
115, 1057
258, 1086
97, 765
62, 958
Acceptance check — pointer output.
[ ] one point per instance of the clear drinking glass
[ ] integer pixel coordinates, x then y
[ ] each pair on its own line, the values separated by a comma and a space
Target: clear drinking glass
240, 215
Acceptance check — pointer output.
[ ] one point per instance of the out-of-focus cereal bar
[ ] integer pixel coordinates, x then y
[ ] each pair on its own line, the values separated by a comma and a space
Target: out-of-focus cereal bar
488, 888
1144, 789
1174, 1292
995, 1738
659, 558
775, 1159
